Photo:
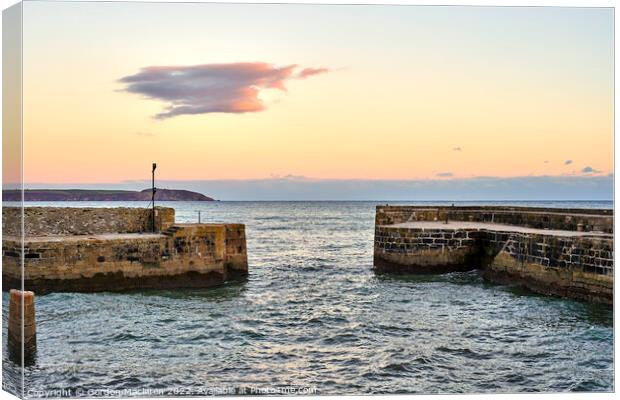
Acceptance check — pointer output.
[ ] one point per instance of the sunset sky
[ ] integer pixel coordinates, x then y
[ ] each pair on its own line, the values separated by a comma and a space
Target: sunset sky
251, 92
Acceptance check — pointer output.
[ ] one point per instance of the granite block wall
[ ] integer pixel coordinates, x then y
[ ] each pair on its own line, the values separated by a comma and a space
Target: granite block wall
576, 267
531, 217
55, 221
191, 256
563, 264
405, 250
112, 249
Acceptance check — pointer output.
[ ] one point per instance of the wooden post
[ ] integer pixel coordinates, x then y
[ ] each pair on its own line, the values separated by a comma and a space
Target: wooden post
22, 326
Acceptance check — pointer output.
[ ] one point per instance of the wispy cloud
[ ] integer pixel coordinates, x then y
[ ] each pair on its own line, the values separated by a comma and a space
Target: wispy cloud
307, 72
144, 134
445, 174
213, 88
457, 148
568, 162
589, 170
289, 177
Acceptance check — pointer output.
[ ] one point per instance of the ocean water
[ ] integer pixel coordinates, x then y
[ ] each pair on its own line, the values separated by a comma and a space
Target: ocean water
313, 316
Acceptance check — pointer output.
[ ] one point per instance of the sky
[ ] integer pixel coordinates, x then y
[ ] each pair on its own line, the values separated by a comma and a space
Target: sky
319, 97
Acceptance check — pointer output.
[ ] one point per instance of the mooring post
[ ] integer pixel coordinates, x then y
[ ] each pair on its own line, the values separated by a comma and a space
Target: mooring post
153, 196
22, 326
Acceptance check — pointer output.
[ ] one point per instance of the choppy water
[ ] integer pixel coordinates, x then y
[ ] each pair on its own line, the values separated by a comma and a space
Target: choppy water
312, 313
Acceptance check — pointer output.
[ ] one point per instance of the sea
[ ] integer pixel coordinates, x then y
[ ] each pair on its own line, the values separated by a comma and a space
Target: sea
313, 317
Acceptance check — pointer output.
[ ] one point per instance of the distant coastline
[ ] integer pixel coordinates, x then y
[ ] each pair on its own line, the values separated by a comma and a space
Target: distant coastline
102, 195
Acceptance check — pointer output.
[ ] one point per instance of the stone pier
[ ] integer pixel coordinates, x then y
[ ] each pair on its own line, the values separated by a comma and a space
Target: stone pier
114, 249
562, 252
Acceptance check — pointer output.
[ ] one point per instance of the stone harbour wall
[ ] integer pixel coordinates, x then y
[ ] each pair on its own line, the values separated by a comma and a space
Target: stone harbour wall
57, 221
591, 254
181, 256
571, 219
405, 250
561, 263
236, 251
188, 256
575, 267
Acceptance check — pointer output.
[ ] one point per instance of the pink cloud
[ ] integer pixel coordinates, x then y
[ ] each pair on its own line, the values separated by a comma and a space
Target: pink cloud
306, 72
209, 88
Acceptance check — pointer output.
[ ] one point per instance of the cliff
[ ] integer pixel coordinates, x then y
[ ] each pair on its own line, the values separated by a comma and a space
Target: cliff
102, 195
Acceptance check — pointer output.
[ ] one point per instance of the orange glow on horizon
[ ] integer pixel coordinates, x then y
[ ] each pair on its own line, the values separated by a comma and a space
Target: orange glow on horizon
387, 103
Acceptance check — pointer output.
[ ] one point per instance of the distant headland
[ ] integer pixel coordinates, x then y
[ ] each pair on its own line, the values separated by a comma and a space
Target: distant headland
102, 195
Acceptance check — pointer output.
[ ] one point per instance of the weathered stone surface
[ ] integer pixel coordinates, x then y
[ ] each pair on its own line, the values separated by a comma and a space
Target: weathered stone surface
532, 217
575, 263
54, 221
404, 250
570, 282
184, 255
